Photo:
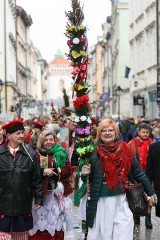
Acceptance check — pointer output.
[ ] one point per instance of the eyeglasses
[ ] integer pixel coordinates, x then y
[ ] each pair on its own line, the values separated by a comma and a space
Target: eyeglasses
107, 131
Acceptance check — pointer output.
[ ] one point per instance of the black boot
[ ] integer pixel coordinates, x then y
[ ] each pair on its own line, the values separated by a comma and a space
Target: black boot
148, 223
137, 220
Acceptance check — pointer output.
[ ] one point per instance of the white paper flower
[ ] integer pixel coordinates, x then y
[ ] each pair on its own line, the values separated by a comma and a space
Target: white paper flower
89, 120
83, 118
76, 40
76, 119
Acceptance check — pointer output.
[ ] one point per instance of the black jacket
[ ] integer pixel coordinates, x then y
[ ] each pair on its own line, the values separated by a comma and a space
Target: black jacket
20, 180
153, 167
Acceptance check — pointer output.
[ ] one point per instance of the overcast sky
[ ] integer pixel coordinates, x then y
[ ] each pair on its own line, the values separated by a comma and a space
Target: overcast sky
49, 22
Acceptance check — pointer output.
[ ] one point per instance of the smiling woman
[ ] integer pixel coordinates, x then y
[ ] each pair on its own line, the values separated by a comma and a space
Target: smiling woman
55, 169
108, 135
107, 213
108, 129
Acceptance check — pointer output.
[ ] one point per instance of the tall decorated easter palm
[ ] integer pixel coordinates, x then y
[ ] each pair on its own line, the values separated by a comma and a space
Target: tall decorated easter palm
78, 57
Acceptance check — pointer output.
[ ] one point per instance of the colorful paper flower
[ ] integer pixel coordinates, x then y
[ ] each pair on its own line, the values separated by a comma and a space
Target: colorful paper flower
76, 41
71, 28
76, 119
83, 53
85, 130
80, 27
89, 120
82, 101
82, 139
75, 54
83, 118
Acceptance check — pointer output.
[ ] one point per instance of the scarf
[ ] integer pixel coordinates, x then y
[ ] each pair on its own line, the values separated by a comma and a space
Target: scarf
143, 150
116, 160
60, 154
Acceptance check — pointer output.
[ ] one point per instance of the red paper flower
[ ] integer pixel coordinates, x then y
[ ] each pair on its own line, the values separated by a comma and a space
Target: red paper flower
81, 102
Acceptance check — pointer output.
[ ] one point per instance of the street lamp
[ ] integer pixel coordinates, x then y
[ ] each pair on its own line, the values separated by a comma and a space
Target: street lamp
119, 91
1, 84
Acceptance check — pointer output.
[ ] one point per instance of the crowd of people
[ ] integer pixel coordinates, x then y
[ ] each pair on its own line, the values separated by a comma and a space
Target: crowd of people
42, 177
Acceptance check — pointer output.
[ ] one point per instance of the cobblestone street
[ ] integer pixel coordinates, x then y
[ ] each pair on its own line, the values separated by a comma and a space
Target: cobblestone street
141, 233
76, 234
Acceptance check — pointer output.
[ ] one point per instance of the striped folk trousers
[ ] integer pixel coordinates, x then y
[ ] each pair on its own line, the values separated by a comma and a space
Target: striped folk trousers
13, 236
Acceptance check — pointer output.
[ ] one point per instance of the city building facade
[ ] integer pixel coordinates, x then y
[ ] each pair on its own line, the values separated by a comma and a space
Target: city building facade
59, 77
8, 53
120, 58
22, 76
143, 57
128, 41
95, 78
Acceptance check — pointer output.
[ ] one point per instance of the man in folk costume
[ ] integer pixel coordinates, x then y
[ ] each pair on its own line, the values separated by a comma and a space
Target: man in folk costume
20, 179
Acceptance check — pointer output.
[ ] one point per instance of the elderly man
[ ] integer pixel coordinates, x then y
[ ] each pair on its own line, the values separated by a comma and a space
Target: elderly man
20, 180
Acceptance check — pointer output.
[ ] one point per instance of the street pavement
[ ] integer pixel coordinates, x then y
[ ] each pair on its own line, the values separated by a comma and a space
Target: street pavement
76, 233
140, 232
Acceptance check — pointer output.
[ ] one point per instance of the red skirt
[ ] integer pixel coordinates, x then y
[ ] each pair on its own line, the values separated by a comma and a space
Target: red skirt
59, 235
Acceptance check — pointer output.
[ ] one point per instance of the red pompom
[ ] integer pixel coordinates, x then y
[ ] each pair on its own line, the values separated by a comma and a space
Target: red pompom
69, 42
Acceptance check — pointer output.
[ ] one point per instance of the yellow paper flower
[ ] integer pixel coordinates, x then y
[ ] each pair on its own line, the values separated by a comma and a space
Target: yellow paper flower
75, 54
80, 27
82, 139
80, 87
71, 28
83, 53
